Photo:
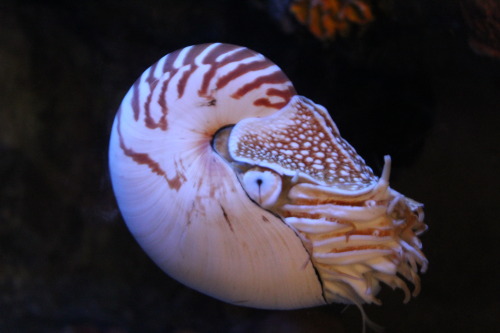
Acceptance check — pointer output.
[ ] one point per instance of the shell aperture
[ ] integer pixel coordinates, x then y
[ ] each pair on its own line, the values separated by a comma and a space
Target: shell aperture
243, 190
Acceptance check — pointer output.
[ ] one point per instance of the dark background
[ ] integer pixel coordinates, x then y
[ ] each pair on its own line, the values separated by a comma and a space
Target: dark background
410, 85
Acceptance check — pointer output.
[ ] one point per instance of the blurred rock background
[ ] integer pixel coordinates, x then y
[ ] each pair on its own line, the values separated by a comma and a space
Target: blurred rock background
408, 84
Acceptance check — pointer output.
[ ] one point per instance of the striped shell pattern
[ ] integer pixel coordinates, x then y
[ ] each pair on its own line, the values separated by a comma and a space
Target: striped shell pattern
241, 189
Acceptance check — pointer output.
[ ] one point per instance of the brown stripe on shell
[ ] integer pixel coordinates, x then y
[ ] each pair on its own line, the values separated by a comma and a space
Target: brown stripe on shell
168, 66
242, 69
151, 79
206, 80
147, 113
193, 53
139, 158
169, 62
276, 77
148, 120
217, 51
286, 95
181, 84
210, 59
267, 103
237, 56
144, 159
162, 101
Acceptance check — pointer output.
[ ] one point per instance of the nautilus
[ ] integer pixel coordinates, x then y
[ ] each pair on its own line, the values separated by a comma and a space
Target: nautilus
239, 188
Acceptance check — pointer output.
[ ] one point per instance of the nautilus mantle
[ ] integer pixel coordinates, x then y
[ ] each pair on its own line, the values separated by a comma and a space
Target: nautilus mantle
243, 190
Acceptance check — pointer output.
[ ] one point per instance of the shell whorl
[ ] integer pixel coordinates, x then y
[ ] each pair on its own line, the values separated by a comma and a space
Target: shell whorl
241, 189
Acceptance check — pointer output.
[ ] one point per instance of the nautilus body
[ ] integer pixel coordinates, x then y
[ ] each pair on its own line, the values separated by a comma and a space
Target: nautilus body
243, 190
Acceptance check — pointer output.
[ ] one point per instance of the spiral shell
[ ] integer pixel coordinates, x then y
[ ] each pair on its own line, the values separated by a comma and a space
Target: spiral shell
243, 190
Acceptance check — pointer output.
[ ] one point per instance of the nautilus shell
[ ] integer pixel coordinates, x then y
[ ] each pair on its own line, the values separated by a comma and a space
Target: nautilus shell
243, 190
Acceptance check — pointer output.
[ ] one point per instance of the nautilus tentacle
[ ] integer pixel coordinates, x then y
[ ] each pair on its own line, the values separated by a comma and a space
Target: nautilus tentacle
241, 189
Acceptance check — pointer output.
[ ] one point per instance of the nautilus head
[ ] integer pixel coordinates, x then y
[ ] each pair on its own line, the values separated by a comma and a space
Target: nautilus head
243, 190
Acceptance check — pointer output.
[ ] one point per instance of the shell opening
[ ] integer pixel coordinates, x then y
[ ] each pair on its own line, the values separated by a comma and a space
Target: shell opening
219, 142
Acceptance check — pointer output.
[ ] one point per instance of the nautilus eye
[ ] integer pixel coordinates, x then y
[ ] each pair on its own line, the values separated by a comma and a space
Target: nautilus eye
240, 188
262, 185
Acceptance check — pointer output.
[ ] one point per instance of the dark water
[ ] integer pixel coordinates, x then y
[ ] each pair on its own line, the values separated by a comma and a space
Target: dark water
410, 86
